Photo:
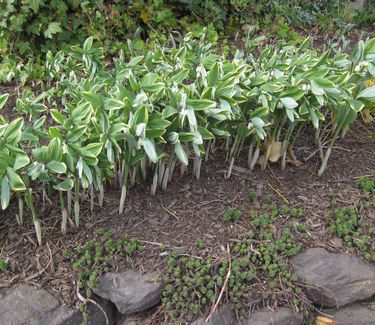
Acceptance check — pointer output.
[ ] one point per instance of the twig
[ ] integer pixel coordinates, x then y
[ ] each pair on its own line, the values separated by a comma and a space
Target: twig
153, 243
170, 212
274, 176
278, 193
85, 301
35, 275
223, 288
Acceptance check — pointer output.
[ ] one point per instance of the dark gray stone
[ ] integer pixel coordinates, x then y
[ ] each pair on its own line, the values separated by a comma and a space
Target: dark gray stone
224, 316
96, 315
338, 279
282, 316
355, 314
130, 291
27, 305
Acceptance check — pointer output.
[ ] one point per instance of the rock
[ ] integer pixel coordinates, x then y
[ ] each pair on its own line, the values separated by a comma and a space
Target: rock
31, 306
96, 315
224, 316
282, 316
129, 291
338, 279
359, 5
355, 314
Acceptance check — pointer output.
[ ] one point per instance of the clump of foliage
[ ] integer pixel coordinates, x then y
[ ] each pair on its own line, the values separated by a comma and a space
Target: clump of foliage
232, 215
252, 196
348, 226
154, 113
367, 186
96, 256
195, 283
26, 26
3, 265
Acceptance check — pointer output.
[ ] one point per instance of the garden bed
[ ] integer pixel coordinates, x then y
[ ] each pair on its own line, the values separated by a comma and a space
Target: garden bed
190, 210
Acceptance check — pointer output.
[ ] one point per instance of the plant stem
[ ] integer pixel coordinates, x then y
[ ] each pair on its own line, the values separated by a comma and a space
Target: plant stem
69, 199
255, 157
154, 182
20, 209
29, 201
124, 189
76, 202
250, 154
64, 213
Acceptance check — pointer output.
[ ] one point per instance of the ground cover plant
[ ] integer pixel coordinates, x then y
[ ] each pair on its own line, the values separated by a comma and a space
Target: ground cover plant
145, 117
258, 257
97, 256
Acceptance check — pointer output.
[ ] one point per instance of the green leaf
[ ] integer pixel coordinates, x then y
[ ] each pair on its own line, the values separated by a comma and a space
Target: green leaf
66, 185
186, 136
180, 76
200, 104
75, 134
81, 111
88, 44
92, 98
205, 134
181, 154
168, 111
150, 150
370, 67
289, 102
3, 100
56, 167
57, 116
213, 75
316, 89
21, 161
15, 180
91, 150
53, 28
5, 193
368, 93
13, 131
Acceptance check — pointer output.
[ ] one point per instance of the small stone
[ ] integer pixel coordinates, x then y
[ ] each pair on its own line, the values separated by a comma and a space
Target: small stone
282, 316
129, 291
28, 305
354, 314
337, 279
223, 316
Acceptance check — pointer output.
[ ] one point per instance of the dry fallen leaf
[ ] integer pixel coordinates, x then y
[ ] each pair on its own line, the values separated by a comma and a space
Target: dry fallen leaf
320, 320
366, 116
275, 153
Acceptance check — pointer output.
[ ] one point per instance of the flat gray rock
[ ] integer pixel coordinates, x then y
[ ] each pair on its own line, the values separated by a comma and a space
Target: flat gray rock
223, 316
282, 316
129, 291
338, 279
27, 305
355, 314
